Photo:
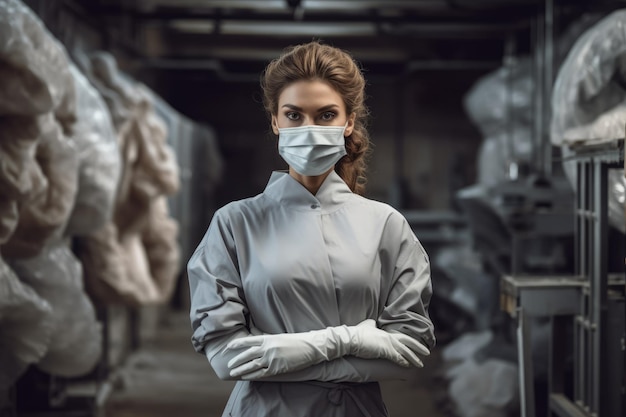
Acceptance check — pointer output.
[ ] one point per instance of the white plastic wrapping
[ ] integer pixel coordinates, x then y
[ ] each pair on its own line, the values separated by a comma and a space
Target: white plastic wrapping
500, 105
34, 73
45, 213
20, 175
587, 84
502, 97
497, 154
57, 277
484, 389
99, 160
617, 199
8, 219
26, 326
118, 91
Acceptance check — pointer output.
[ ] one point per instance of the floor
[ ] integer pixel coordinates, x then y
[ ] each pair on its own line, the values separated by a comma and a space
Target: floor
165, 377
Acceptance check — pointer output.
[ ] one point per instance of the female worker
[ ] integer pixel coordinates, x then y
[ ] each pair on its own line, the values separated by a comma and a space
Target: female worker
308, 294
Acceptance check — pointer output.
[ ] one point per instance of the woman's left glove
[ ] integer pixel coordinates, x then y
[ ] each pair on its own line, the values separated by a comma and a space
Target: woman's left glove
274, 354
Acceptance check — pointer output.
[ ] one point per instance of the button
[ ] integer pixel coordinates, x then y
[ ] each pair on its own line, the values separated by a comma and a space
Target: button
314, 206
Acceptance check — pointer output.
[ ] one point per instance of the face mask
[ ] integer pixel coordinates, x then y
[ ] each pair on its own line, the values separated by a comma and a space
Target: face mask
312, 150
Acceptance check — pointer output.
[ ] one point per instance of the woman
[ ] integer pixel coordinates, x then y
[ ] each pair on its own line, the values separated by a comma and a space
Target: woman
308, 294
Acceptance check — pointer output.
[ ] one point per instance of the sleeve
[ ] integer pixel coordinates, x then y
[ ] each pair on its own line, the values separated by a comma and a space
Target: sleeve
406, 283
218, 310
347, 369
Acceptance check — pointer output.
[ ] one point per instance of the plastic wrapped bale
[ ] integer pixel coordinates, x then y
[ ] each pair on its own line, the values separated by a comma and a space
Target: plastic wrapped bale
589, 82
118, 91
20, 175
474, 292
617, 199
502, 99
76, 343
8, 219
479, 388
157, 161
99, 160
137, 267
499, 152
150, 170
26, 326
484, 389
46, 213
34, 72
116, 268
161, 245
500, 105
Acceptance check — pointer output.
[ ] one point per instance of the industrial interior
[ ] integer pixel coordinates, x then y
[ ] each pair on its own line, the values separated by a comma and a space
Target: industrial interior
498, 132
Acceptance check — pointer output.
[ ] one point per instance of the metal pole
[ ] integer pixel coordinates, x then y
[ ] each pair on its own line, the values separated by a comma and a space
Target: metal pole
599, 291
548, 49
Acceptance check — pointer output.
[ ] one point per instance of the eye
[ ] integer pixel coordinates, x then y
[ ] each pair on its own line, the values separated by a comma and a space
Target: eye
292, 115
328, 116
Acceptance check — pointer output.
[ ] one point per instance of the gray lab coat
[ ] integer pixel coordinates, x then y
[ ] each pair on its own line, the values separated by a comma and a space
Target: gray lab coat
288, 261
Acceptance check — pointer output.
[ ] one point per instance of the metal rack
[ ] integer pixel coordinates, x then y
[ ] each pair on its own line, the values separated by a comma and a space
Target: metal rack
587, 310
599, 327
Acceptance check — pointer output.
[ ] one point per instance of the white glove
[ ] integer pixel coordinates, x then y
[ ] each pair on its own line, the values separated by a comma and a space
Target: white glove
369, 342
269, 355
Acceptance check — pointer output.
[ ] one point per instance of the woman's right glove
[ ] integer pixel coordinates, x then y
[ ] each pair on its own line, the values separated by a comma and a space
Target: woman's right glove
274, 354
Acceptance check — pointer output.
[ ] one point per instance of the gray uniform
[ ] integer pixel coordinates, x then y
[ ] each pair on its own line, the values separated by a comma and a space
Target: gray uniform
288, 261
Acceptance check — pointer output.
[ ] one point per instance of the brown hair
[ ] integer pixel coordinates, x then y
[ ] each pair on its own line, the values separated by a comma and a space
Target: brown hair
315, 61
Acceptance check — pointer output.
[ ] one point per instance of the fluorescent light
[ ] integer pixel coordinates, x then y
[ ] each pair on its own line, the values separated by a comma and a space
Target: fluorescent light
193, 26
234, 27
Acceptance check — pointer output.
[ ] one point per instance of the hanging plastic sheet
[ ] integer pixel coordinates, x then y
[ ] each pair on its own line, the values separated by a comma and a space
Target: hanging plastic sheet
26, 326
99, 160
34, 71
20, 175
117, 267
57, 277
501, 98
502, 153
484, 389
500, 105
46, 212
159, 239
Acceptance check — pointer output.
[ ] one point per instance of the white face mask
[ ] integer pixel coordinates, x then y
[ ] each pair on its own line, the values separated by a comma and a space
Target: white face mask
312, 150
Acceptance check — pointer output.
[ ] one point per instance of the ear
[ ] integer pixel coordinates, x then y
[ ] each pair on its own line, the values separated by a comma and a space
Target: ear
350, 126
274, 125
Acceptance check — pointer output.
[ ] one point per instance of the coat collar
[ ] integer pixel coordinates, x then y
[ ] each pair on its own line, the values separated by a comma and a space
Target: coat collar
285, 189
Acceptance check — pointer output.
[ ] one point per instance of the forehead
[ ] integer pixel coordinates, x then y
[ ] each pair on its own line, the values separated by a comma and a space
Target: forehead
309, 93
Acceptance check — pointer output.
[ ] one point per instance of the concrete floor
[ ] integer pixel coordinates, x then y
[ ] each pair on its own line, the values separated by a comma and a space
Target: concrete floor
167, 378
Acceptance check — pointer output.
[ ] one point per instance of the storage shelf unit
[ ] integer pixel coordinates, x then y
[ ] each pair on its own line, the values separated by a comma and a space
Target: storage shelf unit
587, 312
599, 327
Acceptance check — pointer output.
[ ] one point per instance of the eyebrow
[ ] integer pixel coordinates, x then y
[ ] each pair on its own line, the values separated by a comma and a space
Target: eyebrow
321, 109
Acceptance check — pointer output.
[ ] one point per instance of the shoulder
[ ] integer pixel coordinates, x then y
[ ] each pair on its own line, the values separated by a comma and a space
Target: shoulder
244, 207
382, 210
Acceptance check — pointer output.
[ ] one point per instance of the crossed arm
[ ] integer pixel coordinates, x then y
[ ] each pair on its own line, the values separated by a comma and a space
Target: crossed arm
293, 357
